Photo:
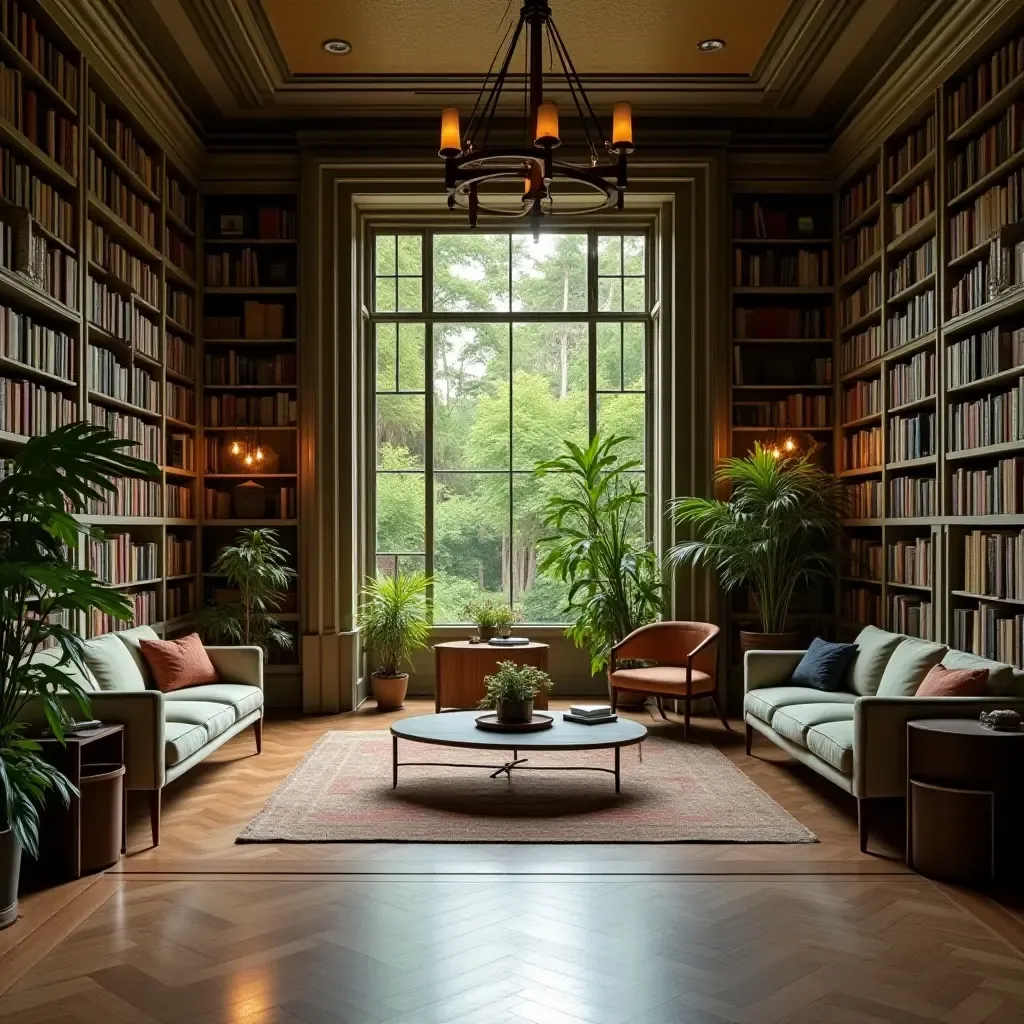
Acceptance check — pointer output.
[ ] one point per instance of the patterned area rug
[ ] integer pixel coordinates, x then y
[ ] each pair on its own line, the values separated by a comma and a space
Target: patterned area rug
677, 793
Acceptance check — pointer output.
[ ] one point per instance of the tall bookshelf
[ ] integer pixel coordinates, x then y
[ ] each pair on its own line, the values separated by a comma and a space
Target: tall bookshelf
939, 552
85, 329
249, 334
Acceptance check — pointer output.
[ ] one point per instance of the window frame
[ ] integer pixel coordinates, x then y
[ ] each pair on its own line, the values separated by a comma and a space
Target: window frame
429, 318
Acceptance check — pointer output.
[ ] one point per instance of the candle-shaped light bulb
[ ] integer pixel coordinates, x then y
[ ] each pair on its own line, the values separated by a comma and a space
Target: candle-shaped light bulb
259, 454
547, 125
248, 460
789, 444
451, 133
236, 448
622, 128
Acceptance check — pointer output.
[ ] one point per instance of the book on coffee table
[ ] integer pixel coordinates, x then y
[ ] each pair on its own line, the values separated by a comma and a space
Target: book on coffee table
568, 716
508, 641
590, 710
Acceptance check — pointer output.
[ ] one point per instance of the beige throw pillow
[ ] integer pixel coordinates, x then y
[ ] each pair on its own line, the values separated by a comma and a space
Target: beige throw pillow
908, 666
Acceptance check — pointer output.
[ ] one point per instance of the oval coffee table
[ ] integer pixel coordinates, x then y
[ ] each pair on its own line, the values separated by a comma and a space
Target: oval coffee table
458, 729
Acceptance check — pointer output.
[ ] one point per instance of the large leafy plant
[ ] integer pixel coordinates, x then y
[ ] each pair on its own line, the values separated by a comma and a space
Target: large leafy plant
514, 682
256, 567
42, 590
777, 532
596, 544
393, 619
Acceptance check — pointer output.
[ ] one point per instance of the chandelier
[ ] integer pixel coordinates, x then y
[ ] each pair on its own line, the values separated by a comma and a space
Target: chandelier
472, 169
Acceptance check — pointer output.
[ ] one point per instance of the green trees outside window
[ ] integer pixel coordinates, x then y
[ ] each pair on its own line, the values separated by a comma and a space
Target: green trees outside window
518, 346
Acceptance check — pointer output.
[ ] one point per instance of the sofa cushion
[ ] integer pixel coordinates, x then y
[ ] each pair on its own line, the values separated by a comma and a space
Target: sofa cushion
908, 666
52, 656
833, 743
179, 664
182, 740
131, 638
953, 682
213, 717
793, 720
669, 679
1000, 675
112, 665
763, 702
244, 699
874, 649
824, 665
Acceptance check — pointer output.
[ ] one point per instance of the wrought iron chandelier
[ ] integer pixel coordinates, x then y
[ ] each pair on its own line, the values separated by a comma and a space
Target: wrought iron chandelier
471, 168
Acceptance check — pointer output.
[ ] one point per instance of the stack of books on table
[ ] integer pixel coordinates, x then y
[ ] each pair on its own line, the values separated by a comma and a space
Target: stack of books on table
590, 714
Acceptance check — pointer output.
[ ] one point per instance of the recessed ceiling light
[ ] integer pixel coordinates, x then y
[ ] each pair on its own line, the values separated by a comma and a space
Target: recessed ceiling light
339, 47
710, 45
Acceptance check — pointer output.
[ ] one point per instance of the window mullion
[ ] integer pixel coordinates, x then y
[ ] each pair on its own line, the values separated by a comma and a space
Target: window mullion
592, 237
427, 302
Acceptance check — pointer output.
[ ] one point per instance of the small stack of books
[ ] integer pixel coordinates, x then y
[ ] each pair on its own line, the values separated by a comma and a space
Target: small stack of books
590, 714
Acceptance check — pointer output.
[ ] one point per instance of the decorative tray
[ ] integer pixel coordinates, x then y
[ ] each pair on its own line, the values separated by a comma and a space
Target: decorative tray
490, 723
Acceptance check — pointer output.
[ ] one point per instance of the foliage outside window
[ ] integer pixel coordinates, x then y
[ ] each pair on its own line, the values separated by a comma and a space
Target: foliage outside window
519, 346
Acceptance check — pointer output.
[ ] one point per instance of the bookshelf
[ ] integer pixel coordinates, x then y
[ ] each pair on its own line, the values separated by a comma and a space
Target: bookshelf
249, 329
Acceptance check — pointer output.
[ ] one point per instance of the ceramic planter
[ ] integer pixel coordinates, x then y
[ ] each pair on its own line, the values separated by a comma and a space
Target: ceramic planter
10, 870
389, 691
514, 712
485, 632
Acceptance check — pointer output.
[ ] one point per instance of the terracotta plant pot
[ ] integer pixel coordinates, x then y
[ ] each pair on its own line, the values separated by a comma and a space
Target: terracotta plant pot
10, 871
770, 641
485, 632
514, 712
389, 691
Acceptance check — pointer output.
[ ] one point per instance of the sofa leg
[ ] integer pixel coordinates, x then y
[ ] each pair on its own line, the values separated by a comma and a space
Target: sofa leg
257, 728
154, 815
718, 711
749, 736
862, 824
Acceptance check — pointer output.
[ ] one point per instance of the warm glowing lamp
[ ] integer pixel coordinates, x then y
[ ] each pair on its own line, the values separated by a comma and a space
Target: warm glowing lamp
622, 128
235, 449
789, 444
248, 460
547, 125
451, 133
259, 454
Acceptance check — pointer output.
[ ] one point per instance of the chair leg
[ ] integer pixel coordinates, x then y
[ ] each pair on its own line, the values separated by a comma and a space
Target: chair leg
862, 825
686, 718
661, 708
721, 717
257, 728
615, 698
750, 736
154, 815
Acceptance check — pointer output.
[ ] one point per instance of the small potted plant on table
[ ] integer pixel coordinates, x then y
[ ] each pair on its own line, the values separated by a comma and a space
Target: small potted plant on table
393, 623
491, 617
512, 689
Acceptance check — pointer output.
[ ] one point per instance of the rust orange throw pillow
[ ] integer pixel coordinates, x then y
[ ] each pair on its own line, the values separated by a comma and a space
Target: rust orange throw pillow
953, 682
176, 664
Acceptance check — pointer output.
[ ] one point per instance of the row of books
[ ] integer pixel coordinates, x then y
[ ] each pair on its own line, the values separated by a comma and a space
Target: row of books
116, 194
35, 344
756, 220
864, 398
179, 501
181, 450
181, 307
20, 28
917, 319
768, 268
111, 310
999, 206
109, 124
916, 145
864, 499
241, 269
55, 134
145, 336
144, 605
118, 559
866, 299
912, 497
991, 632
47, 267
274, 222
181, 555
971, 291
989, 491
281, 503
136, 273
792, 411
985, 153
982, 355
107, 374
862, 449
181, 355
990, 419
859, 198
145, 390
131, 497
913, 267
181, 402
984, 80
911, 615
858, 248
862, 605
910, 561
911, 211
994, 564
181, 201
181, 254
279, 409
911, 437
860, 348
764, 322
181, 599
912, 380
21, 186
145, 435
238, 368
863, 558
31, 409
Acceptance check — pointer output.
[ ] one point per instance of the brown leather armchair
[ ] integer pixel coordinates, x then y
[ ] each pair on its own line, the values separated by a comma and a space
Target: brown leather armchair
686, 656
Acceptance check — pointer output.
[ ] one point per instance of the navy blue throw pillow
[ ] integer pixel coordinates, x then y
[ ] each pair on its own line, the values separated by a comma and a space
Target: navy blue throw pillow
824, 665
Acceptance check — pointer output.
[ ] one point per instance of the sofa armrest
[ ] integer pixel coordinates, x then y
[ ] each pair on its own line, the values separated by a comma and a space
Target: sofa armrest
880, 735
768, 668
238, 664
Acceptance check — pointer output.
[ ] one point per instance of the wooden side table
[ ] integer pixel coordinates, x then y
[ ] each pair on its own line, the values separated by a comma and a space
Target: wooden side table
964, 799
460, 667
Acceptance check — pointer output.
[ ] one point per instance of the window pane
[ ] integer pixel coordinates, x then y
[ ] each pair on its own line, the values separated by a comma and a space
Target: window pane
609, 254
633, 357
549, 276
412, 563
401, 512
384, 301
470, 541
411, 350
410, 254
386, 565
633, 262
549, 390
410, 297
386, 341
624, 415
471, 273
400, 432
471, 411
540, 598
609, 356
633, 297
385, 261
609, 294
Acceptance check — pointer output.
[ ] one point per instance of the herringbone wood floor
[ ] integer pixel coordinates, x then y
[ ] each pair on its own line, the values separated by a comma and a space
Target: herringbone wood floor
201, 931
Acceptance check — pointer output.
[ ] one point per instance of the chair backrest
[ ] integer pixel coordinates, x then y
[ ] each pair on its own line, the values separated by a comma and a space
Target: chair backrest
668, 643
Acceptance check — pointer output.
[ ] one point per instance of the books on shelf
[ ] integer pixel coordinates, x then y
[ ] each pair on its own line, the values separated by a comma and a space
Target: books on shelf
913, 267
768, 268
279, 409
994, 418
180, 253
131, 497
1001, 205
971, 291
181, 355
863, 559
792, 411
982, 355
910, 561
985, 153
859, 198
36, 262
30, 113
281, 503
994, 564
110, 310
21, 186
145, 390
912, 380
866, 299
115, 131
181, 598
275, 222
864, 499
984, 80
240, 368
181, 450
909, 212
780, 322
989, 491
861, 246
181, 307
863, 398
119, 559
107, 374
860, 348
990, 632
146, 435
116, 194
862, 605
31, 409
263, 320
913, 497
916, 319
916, 145
181, 555
862, 449
19, 26
144, 605
128, 268
181, 402
179, 502
36, 345
911, 437
181, 201
911, 615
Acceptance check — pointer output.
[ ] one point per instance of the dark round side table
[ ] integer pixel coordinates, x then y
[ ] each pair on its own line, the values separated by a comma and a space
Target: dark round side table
965, 800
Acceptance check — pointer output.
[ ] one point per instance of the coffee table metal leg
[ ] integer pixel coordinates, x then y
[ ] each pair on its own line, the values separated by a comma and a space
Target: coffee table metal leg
618, 781
394, 762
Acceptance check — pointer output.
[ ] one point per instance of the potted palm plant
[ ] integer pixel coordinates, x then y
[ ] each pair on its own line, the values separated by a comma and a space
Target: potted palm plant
597, 545
512, 689
393, 623
775, 534
46, 484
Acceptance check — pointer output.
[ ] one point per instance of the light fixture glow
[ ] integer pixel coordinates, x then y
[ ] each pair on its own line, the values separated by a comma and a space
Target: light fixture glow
711, 45
236, 448
789, 444
339, 47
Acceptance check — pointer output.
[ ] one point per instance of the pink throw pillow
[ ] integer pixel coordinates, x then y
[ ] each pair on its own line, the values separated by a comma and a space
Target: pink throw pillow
176, 664
953, 682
